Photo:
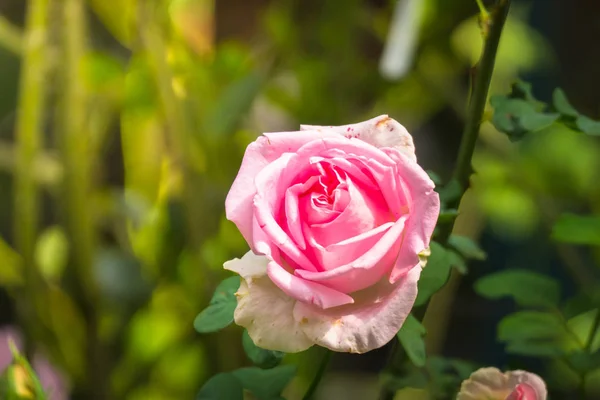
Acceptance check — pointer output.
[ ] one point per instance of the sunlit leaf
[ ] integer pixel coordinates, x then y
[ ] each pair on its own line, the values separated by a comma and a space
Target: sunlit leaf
219, 313
52, 252
562, 105
527, 288
411, 337
588, 125
530, 325
11, 273
577, 229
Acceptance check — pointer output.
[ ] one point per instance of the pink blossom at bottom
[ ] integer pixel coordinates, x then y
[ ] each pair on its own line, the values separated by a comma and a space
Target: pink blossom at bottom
54, 382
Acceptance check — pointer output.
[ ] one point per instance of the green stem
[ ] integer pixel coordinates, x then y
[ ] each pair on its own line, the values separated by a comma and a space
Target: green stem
319, 375
463, 169
483, 77
29, 131
78, 159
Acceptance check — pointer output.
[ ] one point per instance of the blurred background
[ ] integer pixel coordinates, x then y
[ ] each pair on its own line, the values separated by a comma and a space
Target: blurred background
123, 124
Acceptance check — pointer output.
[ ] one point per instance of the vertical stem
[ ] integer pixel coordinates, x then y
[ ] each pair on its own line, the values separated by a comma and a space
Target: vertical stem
318, 376
483, 77
29, 132
75, 143
462, 172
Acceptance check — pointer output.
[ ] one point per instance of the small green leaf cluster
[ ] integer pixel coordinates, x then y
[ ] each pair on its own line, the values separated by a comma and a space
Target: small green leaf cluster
266, 380
544, 327
519, 113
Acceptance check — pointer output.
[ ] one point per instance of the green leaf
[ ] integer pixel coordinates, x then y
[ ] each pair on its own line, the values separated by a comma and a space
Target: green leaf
528, 289
265, 384
535, 121
562, 105
447, 216
582, 302
588, 125
223, 386
435, 274
233, 104
417, 379
530, 325
219, 313
535, 348
584, 362
260, 357
516, 117
467, 247
577, 229
450, 192
458, 262
52, 252
411, 337
11, 271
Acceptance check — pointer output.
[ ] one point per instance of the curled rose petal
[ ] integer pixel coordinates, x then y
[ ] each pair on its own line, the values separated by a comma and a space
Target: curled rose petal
381, 131
364, 326
264, 310
492, 384
338, 220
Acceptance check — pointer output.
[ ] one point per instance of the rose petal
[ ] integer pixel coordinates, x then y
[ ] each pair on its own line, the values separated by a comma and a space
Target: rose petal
365, 270
344, 252
306, 291
362, 327
259, 154
491, 383
267, 313
381, 131
532, 386
423, 215
485, 383
365, 211
266, 205
249, 266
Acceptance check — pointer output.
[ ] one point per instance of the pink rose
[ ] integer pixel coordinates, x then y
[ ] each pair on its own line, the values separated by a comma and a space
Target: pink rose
336, 219
492, 384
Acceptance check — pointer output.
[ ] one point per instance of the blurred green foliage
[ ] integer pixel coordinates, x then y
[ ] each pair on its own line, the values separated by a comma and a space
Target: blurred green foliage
137, 130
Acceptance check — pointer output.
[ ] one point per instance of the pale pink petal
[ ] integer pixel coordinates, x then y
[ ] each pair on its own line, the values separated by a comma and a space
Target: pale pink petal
292, 210
423, 214
362, 327
344, 252
529, 386
266, 205
267, 313
381, 131
259, 154
306, 291
365, 211
367, 269
491, 383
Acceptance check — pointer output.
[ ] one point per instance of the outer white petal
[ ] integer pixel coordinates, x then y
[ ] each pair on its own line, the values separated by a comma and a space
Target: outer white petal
485, 383
358, 329
381, 131
249, 266
264, 310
